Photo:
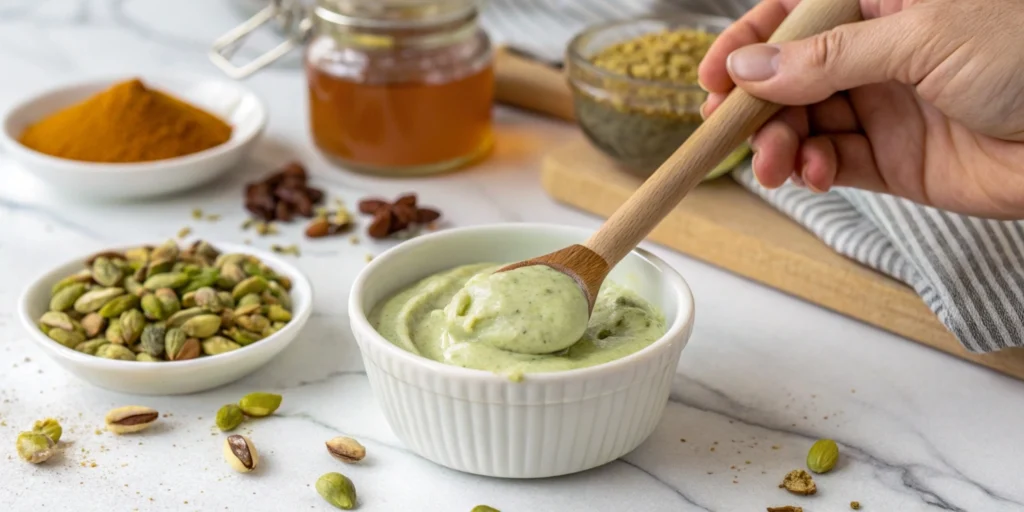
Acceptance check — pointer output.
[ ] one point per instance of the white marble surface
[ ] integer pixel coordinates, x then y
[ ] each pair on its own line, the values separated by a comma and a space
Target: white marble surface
763, 376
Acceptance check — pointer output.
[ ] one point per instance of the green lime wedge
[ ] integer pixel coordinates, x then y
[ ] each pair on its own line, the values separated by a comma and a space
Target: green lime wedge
729, 163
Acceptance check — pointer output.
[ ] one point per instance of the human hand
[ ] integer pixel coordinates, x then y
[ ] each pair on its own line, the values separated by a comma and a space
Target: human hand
923, 100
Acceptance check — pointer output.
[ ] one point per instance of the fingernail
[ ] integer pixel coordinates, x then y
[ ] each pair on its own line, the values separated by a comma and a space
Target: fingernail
754, 63
701, 85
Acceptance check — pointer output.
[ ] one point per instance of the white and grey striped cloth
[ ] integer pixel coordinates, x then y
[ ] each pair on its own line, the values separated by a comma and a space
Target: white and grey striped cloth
969, 271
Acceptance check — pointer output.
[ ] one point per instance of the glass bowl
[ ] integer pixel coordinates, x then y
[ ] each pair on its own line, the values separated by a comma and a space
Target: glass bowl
636, 122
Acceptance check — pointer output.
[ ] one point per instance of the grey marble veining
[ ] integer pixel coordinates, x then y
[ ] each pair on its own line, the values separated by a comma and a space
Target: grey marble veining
763, 377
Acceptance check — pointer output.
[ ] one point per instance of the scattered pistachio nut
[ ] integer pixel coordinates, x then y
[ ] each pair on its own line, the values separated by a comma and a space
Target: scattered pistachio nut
131, 418
126, 303
800, 482
855, 505
258, 405
337, 489
229, 417
822, 456
35, 447
484, 508
240, 453
787, 508
346, 449
50, 428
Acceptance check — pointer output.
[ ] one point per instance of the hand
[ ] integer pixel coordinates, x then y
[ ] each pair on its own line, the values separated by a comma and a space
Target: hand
923, 100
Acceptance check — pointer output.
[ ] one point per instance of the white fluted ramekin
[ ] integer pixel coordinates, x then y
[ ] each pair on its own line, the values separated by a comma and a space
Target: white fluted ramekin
550, 423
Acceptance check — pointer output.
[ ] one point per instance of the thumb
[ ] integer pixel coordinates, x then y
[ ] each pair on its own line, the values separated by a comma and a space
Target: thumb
810, 70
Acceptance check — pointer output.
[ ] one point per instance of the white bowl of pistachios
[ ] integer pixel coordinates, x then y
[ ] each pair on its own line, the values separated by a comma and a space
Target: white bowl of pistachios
166, 320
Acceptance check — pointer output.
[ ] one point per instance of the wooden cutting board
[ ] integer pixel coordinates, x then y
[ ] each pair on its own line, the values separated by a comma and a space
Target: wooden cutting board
725, 225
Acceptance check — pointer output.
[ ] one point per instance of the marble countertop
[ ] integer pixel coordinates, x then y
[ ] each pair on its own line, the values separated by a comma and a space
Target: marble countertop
763, 376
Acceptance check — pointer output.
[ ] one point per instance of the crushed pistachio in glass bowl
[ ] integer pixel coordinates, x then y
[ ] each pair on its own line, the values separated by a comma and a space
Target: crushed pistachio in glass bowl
635, 87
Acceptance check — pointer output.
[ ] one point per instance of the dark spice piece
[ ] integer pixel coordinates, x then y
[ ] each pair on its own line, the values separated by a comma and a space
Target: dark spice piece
282, 195
390, 218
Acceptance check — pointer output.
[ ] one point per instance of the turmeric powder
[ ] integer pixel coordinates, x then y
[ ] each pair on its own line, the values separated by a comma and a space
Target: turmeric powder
126, 123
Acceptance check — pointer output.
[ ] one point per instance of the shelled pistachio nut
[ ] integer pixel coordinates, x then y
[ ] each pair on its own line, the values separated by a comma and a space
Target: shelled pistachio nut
346, 449
229, 417
132, 301
35, 447
131, 418
115, 351
337, 489
484, 508
50, 428
240, 453
259, 405
822, 456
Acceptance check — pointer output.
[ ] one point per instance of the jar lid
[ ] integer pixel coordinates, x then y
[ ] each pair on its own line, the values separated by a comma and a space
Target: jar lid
394, 13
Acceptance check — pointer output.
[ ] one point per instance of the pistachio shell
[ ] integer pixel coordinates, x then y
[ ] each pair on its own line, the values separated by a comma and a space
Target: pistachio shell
118, 305
218, 345
93, 300
106, 273
167, 280
152, 341
113, 351
240, 453
254, 284
132, 418
66, 296
202, 326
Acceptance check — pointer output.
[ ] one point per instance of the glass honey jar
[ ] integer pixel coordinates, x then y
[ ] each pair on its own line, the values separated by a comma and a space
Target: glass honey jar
396, 87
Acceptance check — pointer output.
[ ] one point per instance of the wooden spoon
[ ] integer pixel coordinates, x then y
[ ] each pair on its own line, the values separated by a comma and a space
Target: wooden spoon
731, 124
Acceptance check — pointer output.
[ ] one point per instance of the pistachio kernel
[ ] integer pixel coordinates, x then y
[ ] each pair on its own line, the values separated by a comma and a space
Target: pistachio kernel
259, 405
822, 456
66, 297
35, 447
229, 417
49, 427
93, 300
131, 418
115, 351
484, 508
218, 345
346, 449
240, 453
337, 489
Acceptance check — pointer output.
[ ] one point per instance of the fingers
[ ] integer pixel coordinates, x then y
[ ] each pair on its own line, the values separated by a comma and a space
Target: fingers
754, 27
834, 115
811, 70
821, 162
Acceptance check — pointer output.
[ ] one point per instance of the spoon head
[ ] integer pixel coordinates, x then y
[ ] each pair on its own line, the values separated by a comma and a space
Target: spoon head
583, 265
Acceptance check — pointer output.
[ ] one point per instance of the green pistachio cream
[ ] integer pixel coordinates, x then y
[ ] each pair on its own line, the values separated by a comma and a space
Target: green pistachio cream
531, 319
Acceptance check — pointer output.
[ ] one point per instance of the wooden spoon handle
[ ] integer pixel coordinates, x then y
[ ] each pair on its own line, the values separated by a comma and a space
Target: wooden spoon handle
732, 123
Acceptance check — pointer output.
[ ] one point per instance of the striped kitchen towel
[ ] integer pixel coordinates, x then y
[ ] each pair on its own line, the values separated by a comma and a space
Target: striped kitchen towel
969, 271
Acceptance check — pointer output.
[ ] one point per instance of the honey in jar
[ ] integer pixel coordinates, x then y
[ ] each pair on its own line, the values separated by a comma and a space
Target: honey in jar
399, 87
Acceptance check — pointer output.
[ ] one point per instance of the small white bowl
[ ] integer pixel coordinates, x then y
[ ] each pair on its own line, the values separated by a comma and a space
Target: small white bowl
118, 181
167, 377
550, 423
